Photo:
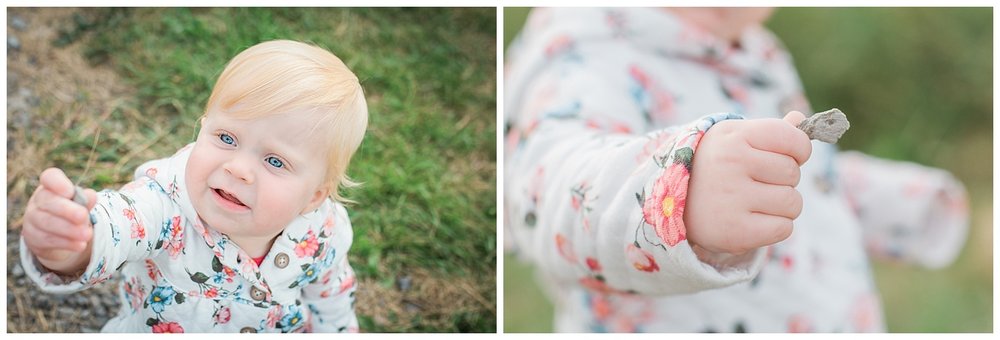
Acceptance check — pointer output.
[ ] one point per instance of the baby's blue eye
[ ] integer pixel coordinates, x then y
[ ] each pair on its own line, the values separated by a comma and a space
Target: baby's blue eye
225, 138
275, 162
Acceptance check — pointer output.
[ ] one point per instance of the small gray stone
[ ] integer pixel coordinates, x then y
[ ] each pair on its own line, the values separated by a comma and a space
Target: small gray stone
826, 126
79, 197
404, 283
13, 42
17, 23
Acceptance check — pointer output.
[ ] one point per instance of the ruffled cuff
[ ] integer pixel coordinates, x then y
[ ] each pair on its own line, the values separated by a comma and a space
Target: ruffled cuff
47, 280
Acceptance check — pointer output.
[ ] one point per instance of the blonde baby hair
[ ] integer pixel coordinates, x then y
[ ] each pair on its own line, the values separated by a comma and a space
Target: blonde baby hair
281, 75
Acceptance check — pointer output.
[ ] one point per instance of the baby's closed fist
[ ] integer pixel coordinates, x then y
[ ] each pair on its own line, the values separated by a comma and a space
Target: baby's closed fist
56, 229
742, 192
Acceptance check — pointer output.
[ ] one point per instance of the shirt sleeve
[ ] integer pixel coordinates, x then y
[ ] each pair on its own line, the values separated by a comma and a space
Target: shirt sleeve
592, 200
909, 212
331, 298
130, 224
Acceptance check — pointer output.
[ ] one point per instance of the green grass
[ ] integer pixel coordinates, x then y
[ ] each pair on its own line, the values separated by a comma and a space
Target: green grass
428, 203
917, 85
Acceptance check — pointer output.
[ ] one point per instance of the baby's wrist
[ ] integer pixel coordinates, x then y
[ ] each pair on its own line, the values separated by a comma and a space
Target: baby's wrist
720, 259
72, 265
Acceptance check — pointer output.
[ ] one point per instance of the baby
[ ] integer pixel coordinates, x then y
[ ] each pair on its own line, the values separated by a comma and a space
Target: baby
242, 230
648, 210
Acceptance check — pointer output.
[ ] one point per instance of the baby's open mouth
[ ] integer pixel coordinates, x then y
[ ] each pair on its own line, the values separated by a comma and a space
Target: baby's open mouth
225, 195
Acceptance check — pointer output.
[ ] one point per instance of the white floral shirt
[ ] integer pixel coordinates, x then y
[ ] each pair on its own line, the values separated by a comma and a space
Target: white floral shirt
179, 276
604, 111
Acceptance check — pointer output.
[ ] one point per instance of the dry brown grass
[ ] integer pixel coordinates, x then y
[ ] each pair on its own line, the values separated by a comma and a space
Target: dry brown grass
431, 298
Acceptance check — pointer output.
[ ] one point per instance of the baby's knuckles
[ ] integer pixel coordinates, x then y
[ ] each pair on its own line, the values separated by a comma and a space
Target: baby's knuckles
720, 174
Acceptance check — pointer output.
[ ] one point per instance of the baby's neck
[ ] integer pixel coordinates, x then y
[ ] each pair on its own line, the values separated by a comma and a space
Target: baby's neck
254, 246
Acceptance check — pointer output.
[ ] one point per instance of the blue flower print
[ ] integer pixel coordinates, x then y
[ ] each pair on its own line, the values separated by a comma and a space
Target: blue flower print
291, 319
165, 231
219, 277
160, 297
309, 274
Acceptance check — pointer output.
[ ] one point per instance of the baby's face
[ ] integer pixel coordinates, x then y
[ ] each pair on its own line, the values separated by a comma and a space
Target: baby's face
249, 178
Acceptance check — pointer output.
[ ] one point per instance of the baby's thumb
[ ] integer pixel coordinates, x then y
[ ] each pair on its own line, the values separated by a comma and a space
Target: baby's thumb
55, 181
795, 118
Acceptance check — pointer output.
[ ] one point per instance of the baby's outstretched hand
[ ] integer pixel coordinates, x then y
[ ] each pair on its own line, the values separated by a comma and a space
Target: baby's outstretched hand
57, 229
742, 192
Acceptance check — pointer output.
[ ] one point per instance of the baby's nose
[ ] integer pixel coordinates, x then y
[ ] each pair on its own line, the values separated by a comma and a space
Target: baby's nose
240, 169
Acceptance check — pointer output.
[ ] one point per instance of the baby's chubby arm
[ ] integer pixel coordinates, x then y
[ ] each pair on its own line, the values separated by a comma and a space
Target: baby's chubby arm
742, 192
56, 229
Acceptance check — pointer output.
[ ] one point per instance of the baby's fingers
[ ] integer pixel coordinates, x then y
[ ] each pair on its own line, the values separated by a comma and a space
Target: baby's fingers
57, 225
763, 230
41, 242
64, 208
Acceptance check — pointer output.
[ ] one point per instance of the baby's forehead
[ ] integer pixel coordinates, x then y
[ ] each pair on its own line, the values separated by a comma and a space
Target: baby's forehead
295, 128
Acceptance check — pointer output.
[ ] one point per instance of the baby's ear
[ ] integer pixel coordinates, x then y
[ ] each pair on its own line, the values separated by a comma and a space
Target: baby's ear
317, 198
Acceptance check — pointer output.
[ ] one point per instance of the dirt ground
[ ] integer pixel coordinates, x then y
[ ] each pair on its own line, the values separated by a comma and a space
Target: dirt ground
47, 84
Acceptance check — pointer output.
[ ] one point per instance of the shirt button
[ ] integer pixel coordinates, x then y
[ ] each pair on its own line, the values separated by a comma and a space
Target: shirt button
248, 330
281, 261
256, 293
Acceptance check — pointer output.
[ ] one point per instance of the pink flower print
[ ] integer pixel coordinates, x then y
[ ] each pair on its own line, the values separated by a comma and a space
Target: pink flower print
598, 285
593, 264
799, 324
326, 277
175, 227
565, 249
151, 172
664, 208
307, 246
787, 262
611, 126
212, 292
652, 145
575, 202
347, 283
135, 292
867, 313
129, 214
736, 92
641, 259
661, 103
600, 307
328, 226
138, 231
175, 248
222, 316
151, 270
230, 273
560, 44
273, 316
168, 327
